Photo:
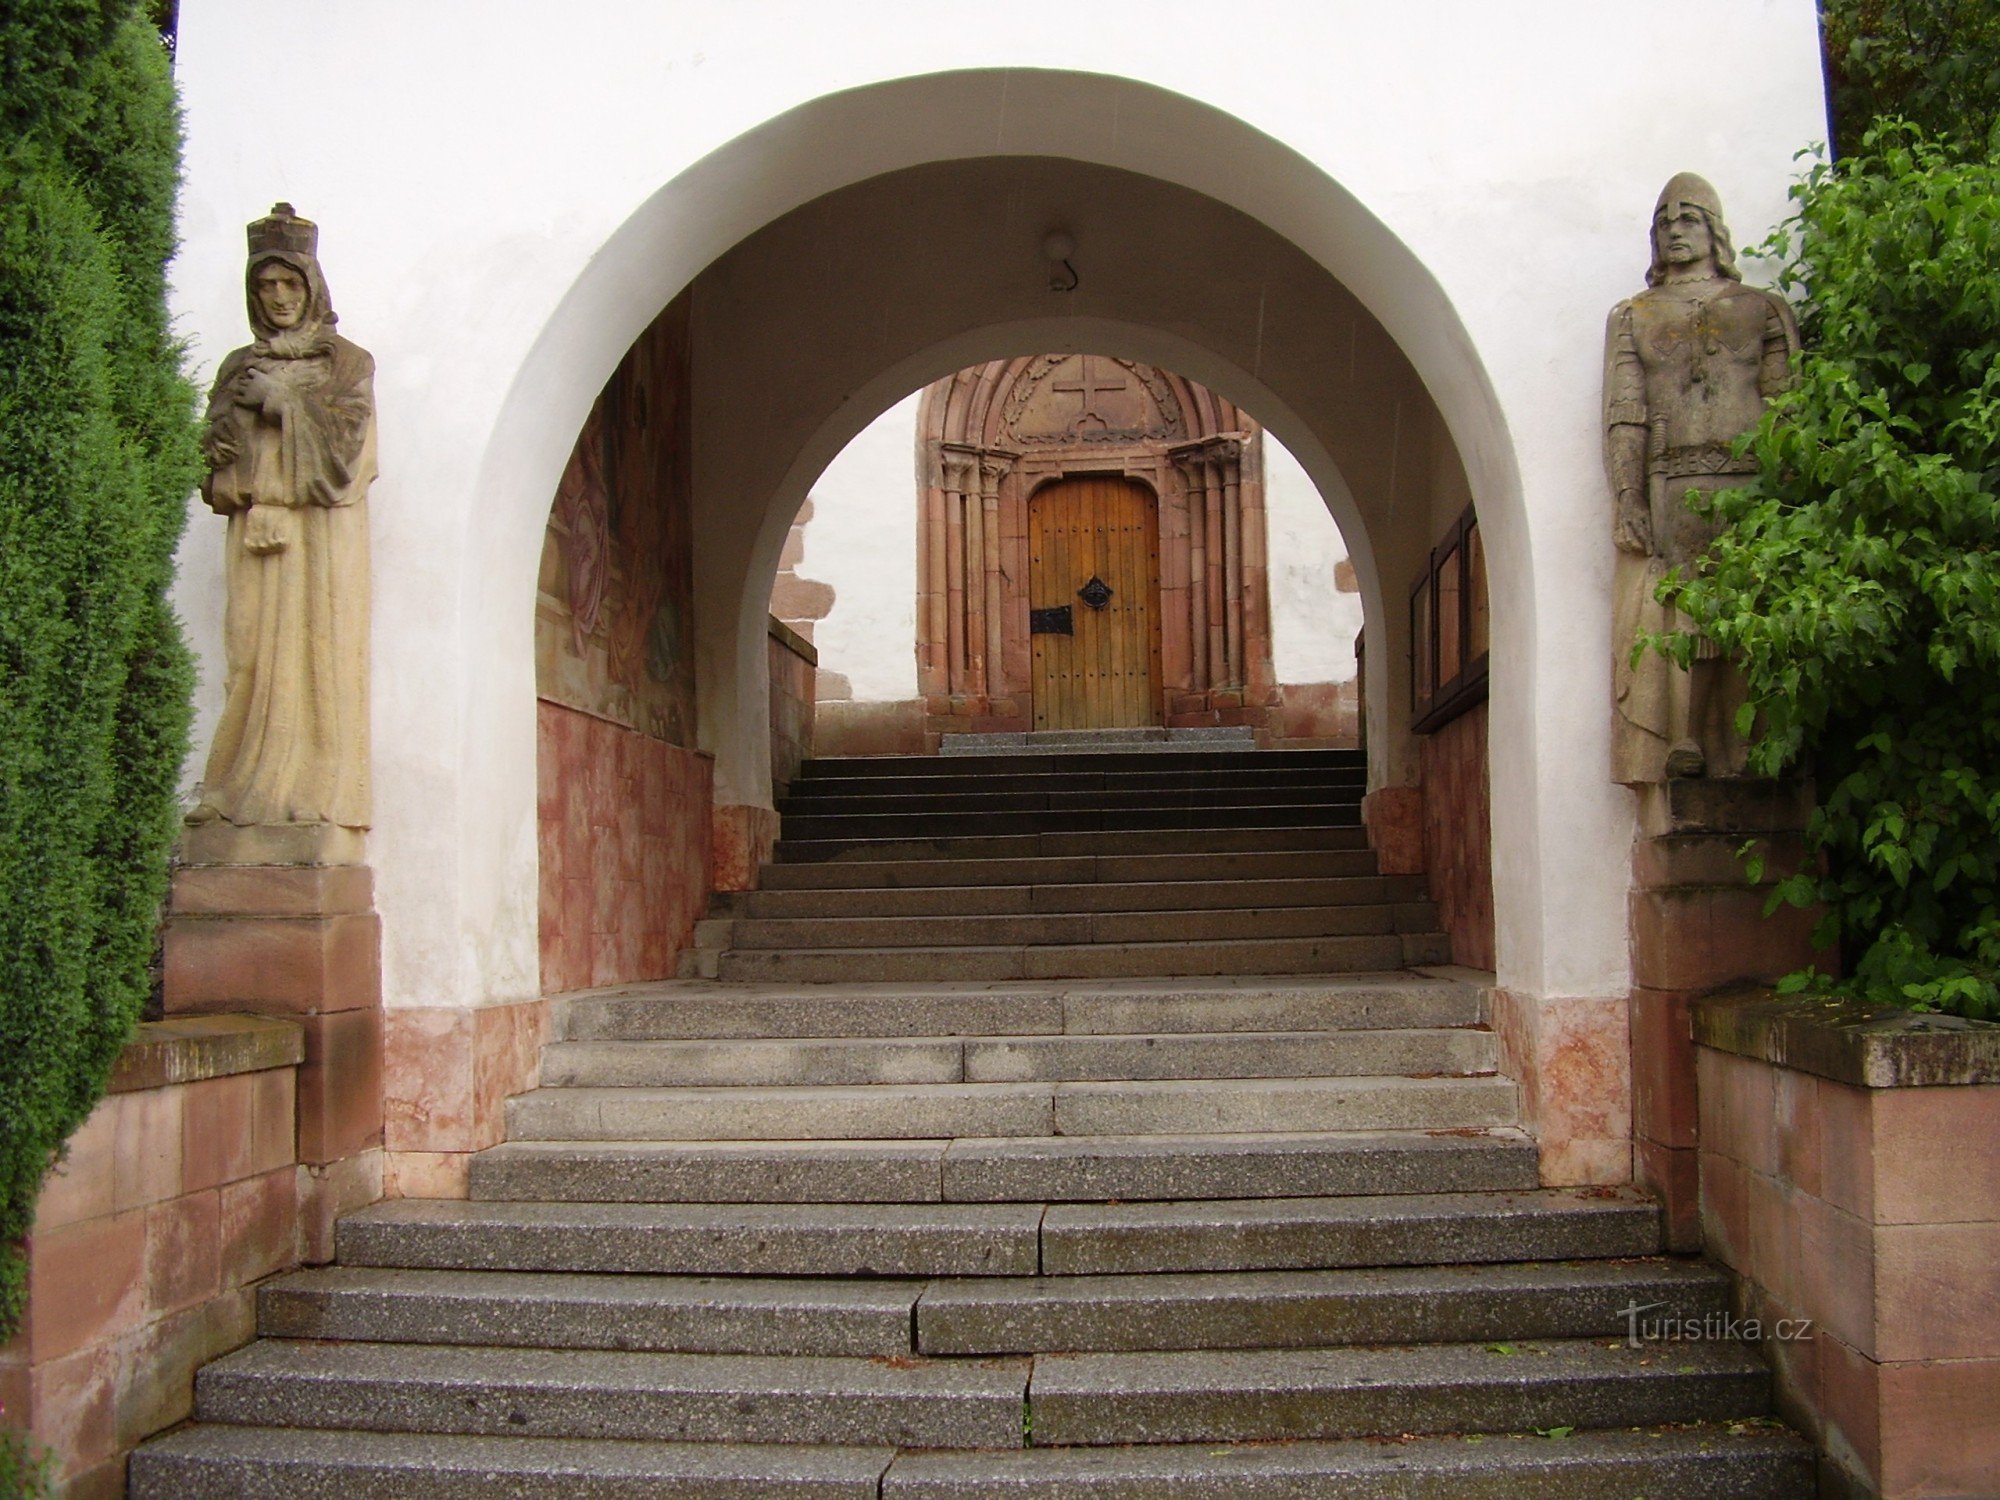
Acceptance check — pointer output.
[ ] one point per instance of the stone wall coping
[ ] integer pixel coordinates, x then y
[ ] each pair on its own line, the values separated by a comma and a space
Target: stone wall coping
187, 1049
792, 641
1850, 1041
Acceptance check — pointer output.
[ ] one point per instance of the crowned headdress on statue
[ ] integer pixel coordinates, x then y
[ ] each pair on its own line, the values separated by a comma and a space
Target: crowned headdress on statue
283, 236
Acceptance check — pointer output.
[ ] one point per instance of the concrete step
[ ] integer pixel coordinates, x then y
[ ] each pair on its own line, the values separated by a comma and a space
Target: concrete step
263, 1463
215, 1462
1275, 1234
1281, 810
813, 1239
921, 1111
1092, 896
664, 1314
1052, 928
970, 796
1739, 1462
834, 768
1239, 837
1267, 1395
1235, 737
1309, 1309
1170, 776
1214, 870
556, 1393
866, 1060
676, 1009
1293, 955
981, 1239
1021, 1169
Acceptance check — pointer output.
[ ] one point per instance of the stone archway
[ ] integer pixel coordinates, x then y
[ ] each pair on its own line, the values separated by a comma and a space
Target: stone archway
990, 437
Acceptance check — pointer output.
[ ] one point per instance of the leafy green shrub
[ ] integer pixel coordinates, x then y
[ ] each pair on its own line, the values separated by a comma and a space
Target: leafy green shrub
97, 457
1859, 584
1935, 63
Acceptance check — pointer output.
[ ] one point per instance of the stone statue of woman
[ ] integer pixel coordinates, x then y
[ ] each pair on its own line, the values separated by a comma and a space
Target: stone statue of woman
290, 444
1688, 365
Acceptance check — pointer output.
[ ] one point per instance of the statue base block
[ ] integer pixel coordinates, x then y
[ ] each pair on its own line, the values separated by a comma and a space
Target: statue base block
1698, 926
223, 843
296, 940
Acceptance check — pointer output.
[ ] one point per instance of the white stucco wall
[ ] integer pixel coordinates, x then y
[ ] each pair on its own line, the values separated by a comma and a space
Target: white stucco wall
1313, 625
507, 194
862, 539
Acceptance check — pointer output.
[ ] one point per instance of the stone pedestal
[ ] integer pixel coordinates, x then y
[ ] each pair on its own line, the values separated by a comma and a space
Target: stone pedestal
1697, 926
299, 940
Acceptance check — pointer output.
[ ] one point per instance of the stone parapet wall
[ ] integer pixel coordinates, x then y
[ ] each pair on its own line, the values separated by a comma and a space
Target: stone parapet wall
1850, 1179
794, 669
180, 1192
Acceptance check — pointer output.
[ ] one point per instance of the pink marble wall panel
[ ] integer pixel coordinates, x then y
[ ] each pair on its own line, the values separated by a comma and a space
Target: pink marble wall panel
1458, 835
623, 823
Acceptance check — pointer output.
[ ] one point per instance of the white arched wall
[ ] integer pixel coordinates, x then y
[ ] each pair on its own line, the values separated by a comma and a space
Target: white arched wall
490, 256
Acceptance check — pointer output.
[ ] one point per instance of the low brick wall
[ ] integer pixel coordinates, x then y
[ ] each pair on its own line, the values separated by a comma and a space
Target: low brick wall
1850, 1177
178, 1194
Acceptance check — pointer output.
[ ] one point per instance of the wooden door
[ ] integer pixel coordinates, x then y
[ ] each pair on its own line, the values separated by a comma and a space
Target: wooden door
1093, 600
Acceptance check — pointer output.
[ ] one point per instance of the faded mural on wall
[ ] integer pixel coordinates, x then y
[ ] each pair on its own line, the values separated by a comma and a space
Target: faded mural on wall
613, 609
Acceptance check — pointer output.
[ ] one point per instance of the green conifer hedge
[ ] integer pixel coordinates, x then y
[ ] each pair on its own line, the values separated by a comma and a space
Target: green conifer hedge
97, 458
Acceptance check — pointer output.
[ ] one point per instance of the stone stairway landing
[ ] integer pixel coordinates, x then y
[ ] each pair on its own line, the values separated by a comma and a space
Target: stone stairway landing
838, 1214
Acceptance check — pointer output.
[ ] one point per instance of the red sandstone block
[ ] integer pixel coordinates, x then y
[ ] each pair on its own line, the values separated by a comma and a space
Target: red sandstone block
1850, 1403
1663, 1068
258, 1226
427, 1174
1725, 1211
1937, 1292
1836, 1272
272, 890
75, 1415
147, 1163
155, 1380
89, 1284
1673, 1176
1938, 1146
183, 1251
83, 1185
1938, 1433
1773, 1235
274, 1119
273, 965
340, 1085
1847, 1148
1796, 1100
217, 1131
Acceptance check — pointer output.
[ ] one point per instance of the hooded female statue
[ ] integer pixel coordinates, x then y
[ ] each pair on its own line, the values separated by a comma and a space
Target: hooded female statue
290, 444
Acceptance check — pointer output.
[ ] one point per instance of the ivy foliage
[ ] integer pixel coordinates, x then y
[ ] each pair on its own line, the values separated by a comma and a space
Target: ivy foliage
1859, 581
97, 457
1935, 63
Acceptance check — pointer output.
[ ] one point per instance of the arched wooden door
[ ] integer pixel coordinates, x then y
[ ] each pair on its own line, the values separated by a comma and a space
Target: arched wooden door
1093, 600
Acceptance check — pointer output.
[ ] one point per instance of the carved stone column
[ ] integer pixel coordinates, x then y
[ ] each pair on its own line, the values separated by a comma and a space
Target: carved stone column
993, 467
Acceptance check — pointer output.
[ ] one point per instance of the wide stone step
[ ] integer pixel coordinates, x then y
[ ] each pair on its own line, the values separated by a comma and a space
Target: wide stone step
699, 1398
1309, 1309
1278, 811
1175, 777
1294, 955
1242, 836
1275, 1234
866, 1060
1754, 1462
925, 1110
814, 1239
694, 1009
1053, 929
842, 768
1030, 1169
1219, 869
1274, 1395
1724, 1462
1094, 896
664, 1314
1109, 795
214, 1462
972, 1239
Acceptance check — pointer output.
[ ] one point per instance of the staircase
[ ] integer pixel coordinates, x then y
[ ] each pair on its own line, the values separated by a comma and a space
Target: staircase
1067, 1127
